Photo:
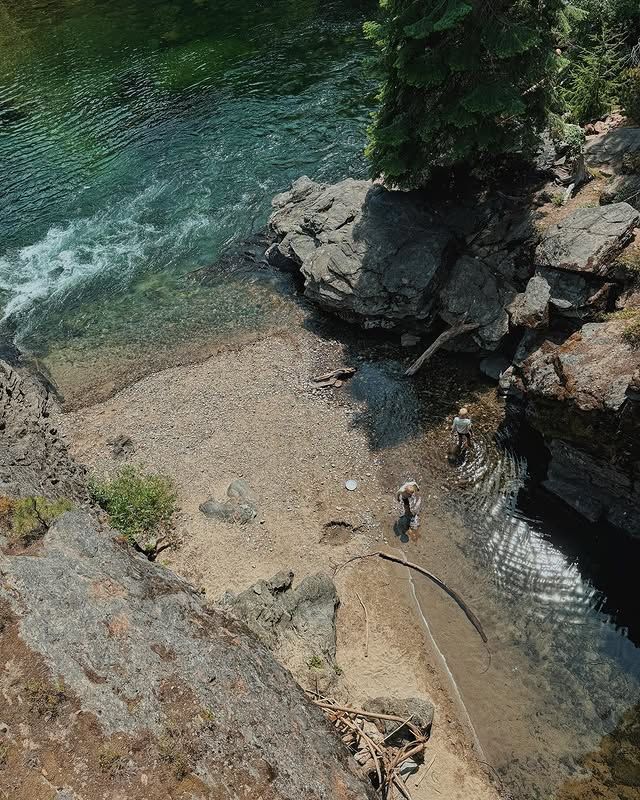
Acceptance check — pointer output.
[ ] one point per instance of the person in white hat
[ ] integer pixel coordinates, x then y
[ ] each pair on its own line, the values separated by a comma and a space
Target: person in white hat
462, 426
409, 495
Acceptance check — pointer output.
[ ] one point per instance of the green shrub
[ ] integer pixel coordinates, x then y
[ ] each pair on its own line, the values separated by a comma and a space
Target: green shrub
630, 93
141, 506
631, 333
26, 519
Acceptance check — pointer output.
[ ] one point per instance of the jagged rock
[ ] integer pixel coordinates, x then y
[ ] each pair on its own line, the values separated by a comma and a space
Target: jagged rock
581, 395
568, 290
33, 456
588, 240
493, 366
622, 189
419, 709
472, 292
368, 254
298, 624
118, 668
530, 309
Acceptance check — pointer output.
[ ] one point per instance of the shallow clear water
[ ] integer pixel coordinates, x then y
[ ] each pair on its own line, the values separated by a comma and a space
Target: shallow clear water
138, 139
556, 596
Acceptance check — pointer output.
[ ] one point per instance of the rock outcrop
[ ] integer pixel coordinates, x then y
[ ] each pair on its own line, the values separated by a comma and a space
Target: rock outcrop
387, 259
298, 625
33, 457
583, 395
588, 240
369, 255
118, 677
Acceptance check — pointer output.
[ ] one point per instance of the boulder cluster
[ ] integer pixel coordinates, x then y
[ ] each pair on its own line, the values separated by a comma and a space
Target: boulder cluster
559, 302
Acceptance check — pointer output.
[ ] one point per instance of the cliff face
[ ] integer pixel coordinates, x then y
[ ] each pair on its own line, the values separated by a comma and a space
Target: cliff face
33, 457
583, 395
118, 681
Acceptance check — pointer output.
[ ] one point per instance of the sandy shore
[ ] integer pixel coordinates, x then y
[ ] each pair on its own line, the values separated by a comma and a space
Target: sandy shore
250, 412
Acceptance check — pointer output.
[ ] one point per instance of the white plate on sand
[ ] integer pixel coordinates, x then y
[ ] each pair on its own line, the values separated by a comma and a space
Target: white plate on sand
351, 485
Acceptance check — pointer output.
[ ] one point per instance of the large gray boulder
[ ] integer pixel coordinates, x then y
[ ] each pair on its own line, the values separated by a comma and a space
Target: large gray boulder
608, 149
622, 189
299, 624
530, 309
119, 681
368, 254
33, 456
474, 293
588, 240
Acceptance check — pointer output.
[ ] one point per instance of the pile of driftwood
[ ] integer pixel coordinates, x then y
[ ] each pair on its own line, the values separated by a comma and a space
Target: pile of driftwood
381, 755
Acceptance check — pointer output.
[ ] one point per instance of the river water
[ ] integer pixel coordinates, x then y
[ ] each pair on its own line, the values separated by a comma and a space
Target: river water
138, 140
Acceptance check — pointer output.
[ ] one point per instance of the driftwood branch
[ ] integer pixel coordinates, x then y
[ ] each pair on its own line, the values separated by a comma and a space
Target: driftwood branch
366, 625
452, 594
445, 336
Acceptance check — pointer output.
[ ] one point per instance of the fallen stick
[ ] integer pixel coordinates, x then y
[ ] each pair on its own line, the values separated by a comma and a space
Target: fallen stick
399, 728
444, 337
358, 712
366, 624
424, 774
452, 594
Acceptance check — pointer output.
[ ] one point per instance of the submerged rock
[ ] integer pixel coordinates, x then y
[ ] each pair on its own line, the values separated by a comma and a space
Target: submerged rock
368, 254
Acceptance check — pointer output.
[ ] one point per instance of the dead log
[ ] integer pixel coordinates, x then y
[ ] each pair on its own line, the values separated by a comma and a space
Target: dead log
452, 594
445, 336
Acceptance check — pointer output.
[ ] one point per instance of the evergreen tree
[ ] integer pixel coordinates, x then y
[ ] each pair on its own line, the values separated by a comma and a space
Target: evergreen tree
463, 80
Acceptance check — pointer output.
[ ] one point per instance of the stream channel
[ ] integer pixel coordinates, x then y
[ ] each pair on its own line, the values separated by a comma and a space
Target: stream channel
138, 140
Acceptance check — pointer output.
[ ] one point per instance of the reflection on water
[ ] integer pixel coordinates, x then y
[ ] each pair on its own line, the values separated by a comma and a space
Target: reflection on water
585, 666
555, 595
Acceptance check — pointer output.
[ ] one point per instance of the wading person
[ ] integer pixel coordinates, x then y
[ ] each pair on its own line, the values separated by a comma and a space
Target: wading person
409, 495
462, 426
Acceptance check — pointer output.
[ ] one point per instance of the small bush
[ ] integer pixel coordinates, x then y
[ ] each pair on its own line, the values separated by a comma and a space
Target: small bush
112, 762
141, 507
26, 519
630, 93
630, 260
558, 199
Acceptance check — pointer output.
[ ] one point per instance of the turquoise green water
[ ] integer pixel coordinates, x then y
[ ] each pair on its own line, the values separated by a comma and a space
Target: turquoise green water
138, 139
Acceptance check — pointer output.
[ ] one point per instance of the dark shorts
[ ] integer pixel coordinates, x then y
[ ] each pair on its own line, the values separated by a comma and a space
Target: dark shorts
462, 437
